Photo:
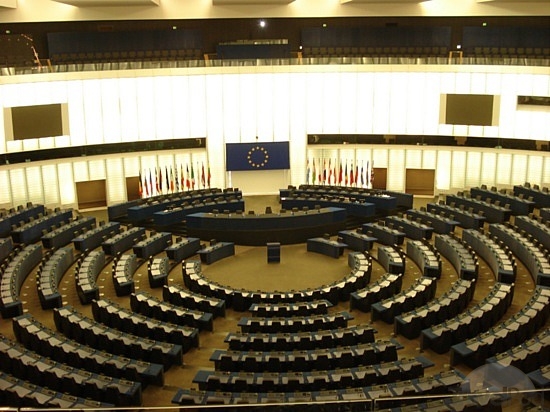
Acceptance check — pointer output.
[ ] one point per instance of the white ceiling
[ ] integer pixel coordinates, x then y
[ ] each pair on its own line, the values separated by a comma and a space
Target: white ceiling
109, 3
228, 2
382, 1
12, 4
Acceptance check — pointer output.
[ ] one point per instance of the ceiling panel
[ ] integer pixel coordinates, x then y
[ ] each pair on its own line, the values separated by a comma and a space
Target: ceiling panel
382, 1
109, 3
11, 4
249, 2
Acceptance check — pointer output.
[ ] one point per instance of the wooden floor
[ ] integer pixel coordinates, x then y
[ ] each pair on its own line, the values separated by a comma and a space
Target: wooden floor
249, 269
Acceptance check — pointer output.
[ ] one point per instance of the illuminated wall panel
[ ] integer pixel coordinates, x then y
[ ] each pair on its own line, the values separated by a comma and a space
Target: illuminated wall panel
18, 186
81, 172
75, 104
131, 165
314, 103
231, 109
164, 111
365, 102
545, 172
443, 170
35, 187
93, 120
330, 113
298, 128
30, 144
413, 159
415, 100
97, 169
348, 103
50, 181
488, 168
398, 91
181, 102
519, 169
197, 112
264, 106
110, 110
5, 195
504, 169
46, 143
429, 159
128, 110
66, 184
473, 169
396, 170
247, 107
458, 172
379, 157
281, 106
381, 109
534, 169
145, 94
116, 181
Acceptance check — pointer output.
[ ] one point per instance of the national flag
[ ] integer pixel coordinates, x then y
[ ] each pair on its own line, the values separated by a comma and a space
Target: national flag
209, 176
150, 184
171, 179
140, 189
356, 174
324, 171
314, 173
182, 178
346, 175
372, 173
177, 180
307, 171
192, 177
340, 173
351, 175
362, 176
167, 177
329, 171
159, 180
203, 176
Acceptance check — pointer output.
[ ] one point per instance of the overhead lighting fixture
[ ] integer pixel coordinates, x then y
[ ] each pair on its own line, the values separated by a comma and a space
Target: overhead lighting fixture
262, 24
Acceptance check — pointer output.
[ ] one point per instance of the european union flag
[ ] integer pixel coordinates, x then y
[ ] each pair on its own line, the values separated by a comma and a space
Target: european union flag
257, 156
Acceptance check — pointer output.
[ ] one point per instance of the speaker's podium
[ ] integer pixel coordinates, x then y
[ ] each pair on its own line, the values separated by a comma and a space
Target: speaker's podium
273, 252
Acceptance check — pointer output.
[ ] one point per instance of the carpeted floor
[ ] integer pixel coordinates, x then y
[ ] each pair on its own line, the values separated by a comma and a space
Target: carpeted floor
249, 269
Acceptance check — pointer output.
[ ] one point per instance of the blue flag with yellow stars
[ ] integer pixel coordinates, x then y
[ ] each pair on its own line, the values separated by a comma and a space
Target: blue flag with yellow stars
257, 156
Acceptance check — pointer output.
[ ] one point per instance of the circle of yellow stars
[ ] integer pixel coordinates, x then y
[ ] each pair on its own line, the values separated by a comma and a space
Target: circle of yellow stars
258, 163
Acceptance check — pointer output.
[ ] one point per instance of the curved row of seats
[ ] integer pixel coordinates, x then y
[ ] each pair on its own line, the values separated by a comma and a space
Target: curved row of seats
413, 229
54, 345
241, 300
503, 336
465, 218
392, 259
124, 267
426, 257
459, 254
386, 286
418, 294
440, 223
347, 375
499, 258
294, 324
327, 338
125, 320
65, 233
87, 331
180, 296
31, 366
123, 241
157, 271
51, 270
13, 276
527, 250
447, 306
87, 269
442, 383
315, 307
466, 325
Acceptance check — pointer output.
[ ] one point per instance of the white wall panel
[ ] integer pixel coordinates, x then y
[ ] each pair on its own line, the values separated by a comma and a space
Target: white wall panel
458, 171
398, 103
415, 100
381, 108
67, 188
97, 169
413, 159
81, 172
534, 169
443, 170
110, 110
396, 170
164, 111
35, 188
197, 114
314, 102
281, 106
348, 103
18, 184
247, 107
128, 109
365, 102
50, 181
264, 101
545, 181
145, 95
488, 168
181, 105
504, 168
473, 169
116, 181
330, 114
77, 119
92, 111
429, 159
519, 169
231, 108
5, 195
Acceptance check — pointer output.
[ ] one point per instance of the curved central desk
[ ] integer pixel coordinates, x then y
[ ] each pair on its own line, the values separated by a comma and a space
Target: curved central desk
257, 230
